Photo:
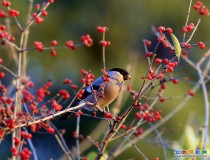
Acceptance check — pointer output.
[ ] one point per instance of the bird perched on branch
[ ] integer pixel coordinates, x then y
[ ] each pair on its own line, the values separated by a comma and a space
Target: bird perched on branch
102, 91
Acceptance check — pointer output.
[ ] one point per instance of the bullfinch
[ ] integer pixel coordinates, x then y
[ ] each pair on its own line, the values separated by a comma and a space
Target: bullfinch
101, 92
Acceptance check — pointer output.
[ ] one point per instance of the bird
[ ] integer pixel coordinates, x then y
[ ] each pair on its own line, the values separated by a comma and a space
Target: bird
101, 92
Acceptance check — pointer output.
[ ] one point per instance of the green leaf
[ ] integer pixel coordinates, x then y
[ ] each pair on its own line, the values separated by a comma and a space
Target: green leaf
177, 46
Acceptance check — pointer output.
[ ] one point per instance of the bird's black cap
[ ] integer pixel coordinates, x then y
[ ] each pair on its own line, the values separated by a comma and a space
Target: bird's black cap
126, 75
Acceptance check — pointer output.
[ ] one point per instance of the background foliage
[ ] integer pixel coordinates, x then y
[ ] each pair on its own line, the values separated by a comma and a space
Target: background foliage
128, 22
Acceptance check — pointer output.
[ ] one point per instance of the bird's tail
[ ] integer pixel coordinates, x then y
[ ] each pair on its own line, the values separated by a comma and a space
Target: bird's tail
65, 116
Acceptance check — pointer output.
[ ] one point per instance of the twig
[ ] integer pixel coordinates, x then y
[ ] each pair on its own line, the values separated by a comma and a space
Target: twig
187, 19
8, 70
206, 102
17, 22
12, 50
61, 142
38, 14
11, 43
77, 139
33, 149
161, 122
161, 140
26, 36
193, 32
104, 54
48, 117
133, 144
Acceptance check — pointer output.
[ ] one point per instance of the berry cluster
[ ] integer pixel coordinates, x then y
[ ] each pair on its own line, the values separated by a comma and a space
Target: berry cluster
88, 77
41, 11
39, 46
138, 132
147, 113
55, 105
79, 113
87, 40
71, 45
101, 29
188, 28
5, 35
43, 91
108, 115
105, 75
201, 8
162, 39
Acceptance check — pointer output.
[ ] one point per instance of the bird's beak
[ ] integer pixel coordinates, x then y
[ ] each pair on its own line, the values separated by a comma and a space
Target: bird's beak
128, 77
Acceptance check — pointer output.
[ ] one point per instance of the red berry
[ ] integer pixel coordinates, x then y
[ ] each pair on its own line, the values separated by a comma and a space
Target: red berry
160, 39
201, 45
51, 1
50, 130
69, 43
149, 77
165, 60
13, 149
79, 95
170, 69
190, 27
3, 14
101, 29
53, 53
37, 6
165, 44
163, 86
184, 29
54, 43
175, 81
138, 115
1, 60
2, 75
156, 158
191, 93
44, 13
158, 60
73, 48
169, 30
160, 76
199, 3
74, 86
123, 127
149, 54
161, 28
148, 43
39, 19
14, 13
2, 27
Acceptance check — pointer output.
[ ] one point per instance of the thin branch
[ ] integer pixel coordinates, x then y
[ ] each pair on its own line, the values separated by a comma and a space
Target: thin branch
17, 22
61, 141
8, 70
103, 51
133, 144
193, 32
26, 36
48, 117
12, 49
38, 14
161, 122
161, 140
206, 102
187, 19
33, 149
77, 139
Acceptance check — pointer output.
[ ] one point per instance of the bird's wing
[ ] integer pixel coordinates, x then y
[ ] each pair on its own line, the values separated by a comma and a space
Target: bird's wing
95, 85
